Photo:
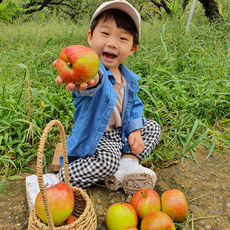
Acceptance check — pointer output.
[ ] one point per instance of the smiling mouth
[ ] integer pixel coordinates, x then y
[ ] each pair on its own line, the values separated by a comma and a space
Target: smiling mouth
109, 55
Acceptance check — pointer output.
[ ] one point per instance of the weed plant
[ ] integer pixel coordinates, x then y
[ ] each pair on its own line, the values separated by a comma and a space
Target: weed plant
185, 86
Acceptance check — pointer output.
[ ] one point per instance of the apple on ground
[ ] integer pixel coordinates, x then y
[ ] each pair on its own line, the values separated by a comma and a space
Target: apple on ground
157, 220
61, 203
174, 204
120, 215
77, 64
144, 201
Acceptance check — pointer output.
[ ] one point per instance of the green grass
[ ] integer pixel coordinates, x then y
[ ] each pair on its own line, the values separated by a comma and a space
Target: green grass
184, 86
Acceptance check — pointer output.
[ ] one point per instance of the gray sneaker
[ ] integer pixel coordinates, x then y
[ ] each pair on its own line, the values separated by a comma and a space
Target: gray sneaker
131, 176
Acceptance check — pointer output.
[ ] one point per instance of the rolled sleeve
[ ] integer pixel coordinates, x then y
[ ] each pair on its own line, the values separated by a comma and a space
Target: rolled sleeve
135, 124
91, 91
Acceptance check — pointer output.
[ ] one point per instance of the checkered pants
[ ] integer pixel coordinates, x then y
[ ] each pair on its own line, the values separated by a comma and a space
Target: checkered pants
104, 162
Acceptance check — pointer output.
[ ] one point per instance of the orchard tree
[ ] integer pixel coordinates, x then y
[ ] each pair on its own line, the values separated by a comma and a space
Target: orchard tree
72, 7
147, 8
211, 9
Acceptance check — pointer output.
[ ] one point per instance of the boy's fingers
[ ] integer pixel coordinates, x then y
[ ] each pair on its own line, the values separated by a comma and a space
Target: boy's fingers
59, 81
131, 141
91, 82
70, 87
82, 86
137, 151
54, 63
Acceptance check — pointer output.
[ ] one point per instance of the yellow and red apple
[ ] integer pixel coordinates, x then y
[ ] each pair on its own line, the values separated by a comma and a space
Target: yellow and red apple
61, 203
157, 220
70, 219
120, 215
77, 64
144, 201
174, 204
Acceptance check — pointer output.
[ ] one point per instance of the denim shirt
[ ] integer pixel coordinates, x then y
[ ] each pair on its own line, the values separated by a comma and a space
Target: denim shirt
94, 107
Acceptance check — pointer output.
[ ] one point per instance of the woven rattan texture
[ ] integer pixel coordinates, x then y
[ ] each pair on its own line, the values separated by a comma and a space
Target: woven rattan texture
83, 208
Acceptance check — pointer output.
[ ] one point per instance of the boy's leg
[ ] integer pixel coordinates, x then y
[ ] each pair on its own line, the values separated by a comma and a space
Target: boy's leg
130, 175
104, 162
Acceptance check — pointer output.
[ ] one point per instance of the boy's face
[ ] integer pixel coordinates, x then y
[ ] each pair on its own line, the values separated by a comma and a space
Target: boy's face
113, 45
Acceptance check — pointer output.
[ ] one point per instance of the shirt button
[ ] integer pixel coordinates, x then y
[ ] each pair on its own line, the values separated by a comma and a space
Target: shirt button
126, 139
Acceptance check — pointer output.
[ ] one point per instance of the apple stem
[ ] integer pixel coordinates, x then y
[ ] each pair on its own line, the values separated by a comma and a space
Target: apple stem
69, 64
142, 194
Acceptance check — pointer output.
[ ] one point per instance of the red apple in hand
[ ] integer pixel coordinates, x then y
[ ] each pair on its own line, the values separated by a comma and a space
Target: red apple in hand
144, 201
157, 220
174, 204
61, 203
77, 64
120, 215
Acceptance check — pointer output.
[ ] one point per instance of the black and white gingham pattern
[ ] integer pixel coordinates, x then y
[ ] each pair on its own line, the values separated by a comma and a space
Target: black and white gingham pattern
90, 169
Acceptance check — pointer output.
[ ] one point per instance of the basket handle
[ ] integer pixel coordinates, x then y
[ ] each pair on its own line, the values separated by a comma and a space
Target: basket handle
39, 165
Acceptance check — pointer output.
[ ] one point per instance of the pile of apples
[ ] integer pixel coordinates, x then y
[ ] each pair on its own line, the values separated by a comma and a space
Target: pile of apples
148, 210
61, 202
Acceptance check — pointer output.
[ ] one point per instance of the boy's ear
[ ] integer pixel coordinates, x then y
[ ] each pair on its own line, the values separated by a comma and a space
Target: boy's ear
134, 48
89, 37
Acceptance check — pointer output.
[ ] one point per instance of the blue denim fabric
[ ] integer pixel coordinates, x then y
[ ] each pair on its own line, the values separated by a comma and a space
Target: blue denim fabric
94, 107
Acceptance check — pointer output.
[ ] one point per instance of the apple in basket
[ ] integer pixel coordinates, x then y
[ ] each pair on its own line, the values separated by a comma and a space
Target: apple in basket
61, 203
174, 204
157, 220
144, 201
120, 215
70, 219
77, 64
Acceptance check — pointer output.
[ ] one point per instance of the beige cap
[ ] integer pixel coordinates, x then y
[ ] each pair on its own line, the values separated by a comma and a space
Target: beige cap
123, 6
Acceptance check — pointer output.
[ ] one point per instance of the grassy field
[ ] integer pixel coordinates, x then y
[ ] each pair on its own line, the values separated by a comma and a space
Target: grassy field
185, 85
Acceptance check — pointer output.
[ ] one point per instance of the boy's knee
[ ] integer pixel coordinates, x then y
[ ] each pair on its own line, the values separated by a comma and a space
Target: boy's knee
153, 126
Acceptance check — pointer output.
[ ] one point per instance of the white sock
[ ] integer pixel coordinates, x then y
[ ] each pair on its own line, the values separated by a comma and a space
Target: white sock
32, 187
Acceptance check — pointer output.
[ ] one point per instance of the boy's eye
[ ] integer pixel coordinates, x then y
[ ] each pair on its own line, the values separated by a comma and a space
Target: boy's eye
105, 33
122, 38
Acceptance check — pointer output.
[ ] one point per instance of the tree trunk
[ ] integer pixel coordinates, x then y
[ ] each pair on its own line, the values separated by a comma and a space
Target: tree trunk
184, 4
162, 4
211, 10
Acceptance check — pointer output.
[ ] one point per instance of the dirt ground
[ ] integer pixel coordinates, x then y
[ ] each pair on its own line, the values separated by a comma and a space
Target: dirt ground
206, 187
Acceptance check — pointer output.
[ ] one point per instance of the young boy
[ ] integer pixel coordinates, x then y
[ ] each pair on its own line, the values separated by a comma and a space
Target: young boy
110, 137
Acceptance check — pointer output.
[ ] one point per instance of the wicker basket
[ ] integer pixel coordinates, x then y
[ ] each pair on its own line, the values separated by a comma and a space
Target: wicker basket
83, 208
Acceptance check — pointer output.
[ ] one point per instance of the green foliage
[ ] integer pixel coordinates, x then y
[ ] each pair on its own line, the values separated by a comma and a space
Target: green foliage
75, 10
29, 96
9, 11
184, 86
2, 186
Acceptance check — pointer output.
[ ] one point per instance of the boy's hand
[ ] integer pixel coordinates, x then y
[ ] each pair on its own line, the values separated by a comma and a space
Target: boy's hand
71, 86
136, 142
